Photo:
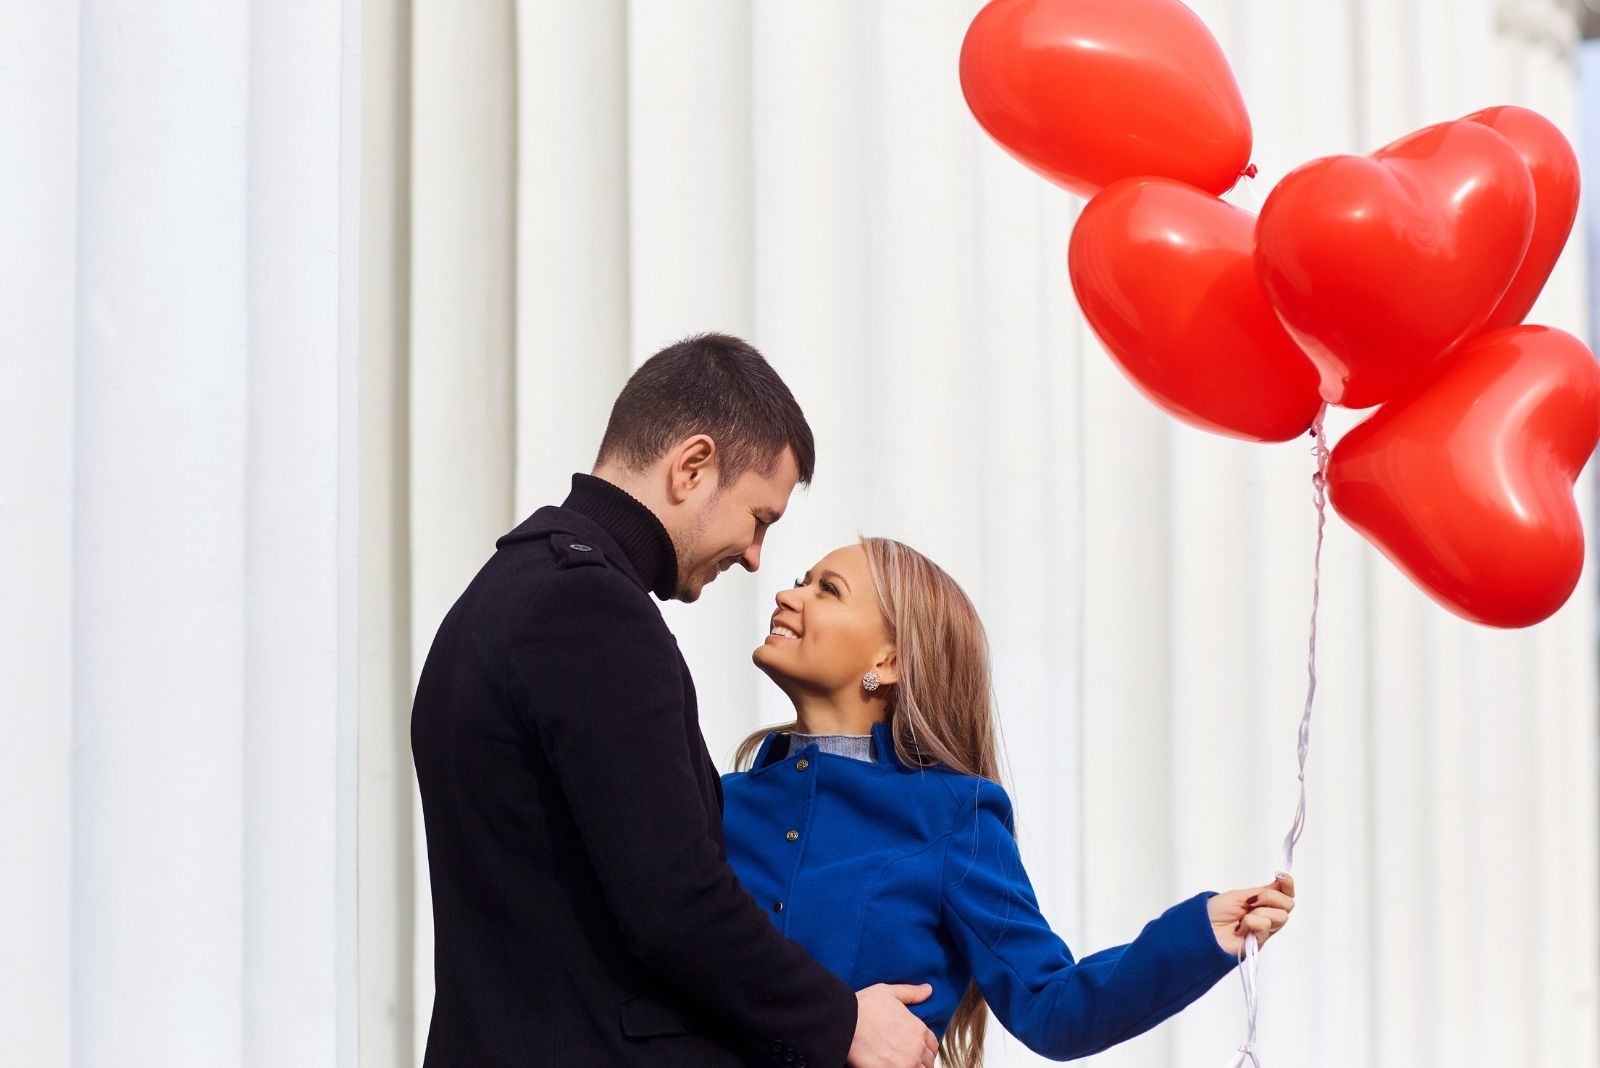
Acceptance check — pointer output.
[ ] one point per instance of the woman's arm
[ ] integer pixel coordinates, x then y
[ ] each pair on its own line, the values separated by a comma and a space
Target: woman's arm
1058, 1006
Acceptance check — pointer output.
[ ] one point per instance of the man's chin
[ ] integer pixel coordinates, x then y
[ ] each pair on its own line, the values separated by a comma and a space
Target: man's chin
690, 593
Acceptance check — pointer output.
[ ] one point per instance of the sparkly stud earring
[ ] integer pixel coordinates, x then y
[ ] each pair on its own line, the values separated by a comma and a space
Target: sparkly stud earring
869, 681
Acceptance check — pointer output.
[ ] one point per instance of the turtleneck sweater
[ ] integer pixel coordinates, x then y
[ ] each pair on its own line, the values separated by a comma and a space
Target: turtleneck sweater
854, 746
635, 527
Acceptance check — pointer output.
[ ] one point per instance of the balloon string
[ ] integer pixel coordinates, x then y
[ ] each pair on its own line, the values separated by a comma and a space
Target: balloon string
1249, 959
1319, 497
1247, 975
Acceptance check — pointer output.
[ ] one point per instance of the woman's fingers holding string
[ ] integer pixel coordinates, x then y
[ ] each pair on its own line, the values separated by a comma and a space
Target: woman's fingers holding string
1269, 897
1263, 922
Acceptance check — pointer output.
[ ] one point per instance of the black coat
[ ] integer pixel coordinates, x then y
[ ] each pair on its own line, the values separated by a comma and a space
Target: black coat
584, 911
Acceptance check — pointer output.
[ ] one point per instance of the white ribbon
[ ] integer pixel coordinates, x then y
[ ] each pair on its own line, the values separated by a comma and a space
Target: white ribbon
1247, 975
1249, 958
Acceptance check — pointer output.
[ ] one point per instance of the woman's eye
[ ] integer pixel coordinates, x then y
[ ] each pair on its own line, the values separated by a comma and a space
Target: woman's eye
799, 583
828, 587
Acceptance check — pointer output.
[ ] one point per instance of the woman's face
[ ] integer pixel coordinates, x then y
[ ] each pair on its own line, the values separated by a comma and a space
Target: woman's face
827, 632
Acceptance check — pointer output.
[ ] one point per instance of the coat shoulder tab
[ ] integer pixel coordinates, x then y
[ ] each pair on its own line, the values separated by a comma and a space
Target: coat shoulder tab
572, 551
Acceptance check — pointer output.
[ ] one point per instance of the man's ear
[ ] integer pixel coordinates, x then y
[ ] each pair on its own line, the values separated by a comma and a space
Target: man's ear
887, 667
692, 466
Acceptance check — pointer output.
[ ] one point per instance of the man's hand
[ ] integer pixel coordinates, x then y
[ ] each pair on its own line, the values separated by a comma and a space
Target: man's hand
887, 1034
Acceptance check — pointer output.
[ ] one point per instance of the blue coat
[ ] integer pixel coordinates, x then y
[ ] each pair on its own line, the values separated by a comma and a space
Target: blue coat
893, 874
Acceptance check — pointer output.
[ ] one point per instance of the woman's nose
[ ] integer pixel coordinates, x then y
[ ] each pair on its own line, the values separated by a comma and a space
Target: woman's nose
788, 598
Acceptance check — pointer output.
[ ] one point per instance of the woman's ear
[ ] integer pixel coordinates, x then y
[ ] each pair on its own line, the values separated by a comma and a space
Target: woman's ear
692, 466
887, 667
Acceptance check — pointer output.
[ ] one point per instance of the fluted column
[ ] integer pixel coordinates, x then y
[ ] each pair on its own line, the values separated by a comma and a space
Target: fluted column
692, 242
389, 843
160, 560
573, 337
463, 321
812, 300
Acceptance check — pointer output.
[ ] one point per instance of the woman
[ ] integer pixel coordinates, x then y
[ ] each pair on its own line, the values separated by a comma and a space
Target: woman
875, 829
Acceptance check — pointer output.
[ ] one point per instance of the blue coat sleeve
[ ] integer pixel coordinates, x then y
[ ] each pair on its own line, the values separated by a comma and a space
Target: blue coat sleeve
1060, 1007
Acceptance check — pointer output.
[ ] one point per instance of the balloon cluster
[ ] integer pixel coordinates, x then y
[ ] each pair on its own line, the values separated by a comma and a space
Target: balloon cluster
1396, 279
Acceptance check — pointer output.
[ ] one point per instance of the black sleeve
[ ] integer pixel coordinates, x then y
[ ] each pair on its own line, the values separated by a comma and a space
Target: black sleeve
601, 676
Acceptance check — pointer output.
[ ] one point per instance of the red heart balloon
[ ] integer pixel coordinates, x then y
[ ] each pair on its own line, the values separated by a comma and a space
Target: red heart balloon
1165, 277
1466, 484
1379, 265
1554, 167
1089, 91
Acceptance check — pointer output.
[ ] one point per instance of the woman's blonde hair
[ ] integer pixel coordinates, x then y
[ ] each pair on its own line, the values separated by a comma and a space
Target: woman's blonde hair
941, 712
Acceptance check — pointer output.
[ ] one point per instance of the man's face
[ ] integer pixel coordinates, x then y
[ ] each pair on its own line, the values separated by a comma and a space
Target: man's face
730, 528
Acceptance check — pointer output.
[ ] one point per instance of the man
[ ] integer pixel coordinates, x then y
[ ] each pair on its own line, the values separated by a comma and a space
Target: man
584, 911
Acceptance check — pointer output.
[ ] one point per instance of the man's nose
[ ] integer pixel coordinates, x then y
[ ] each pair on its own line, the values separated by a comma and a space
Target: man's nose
751, 557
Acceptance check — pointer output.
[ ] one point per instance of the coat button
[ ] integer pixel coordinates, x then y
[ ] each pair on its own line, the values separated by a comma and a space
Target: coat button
777, 906
802, 764
793, 836
582, 548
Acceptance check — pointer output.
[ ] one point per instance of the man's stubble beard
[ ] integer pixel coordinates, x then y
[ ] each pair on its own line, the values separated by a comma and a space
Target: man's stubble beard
686, 549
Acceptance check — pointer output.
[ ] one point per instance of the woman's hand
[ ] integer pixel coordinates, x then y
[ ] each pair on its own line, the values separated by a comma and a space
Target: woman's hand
1262, 910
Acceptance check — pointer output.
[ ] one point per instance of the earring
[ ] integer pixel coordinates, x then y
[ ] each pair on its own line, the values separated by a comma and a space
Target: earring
869, 681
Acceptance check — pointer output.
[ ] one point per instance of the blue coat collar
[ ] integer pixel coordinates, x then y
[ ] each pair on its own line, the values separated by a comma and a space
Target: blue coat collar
776, 747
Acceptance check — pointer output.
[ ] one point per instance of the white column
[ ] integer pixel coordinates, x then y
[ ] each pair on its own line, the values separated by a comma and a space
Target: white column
299, 497
38, 264
921, 249
572, 237
812, 304
159, 546
1536, 53
1218, 755
1028, 352
1126, 747
462, 442
691, 246
386, 911
1566, 799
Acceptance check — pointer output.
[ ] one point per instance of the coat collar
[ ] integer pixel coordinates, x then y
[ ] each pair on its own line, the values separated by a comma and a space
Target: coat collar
628, 532
776, 747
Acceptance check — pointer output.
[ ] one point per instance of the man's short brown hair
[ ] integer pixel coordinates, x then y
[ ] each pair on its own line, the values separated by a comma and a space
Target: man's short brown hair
716, 385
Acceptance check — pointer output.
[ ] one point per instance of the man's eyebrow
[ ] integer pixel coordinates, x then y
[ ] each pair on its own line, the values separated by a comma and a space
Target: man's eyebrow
836, 575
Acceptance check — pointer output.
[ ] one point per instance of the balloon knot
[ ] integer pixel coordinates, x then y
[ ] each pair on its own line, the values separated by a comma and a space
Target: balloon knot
1249, 171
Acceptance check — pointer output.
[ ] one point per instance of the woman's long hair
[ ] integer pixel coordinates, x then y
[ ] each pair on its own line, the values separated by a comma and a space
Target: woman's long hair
941, 712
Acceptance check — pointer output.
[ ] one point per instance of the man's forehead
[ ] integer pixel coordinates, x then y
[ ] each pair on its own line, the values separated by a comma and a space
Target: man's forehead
771, 499
769, 492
